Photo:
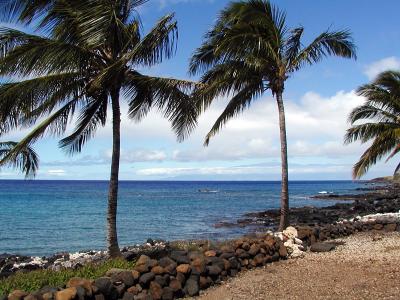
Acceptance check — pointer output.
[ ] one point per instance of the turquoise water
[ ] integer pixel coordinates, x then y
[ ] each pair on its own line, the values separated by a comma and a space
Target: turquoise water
44, 217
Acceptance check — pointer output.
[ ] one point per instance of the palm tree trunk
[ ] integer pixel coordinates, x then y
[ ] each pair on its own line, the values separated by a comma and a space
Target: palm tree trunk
284, 221
112, 237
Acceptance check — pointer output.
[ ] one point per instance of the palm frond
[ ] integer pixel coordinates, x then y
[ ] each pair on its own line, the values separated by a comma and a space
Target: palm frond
92, 115
236, 105
379, 148
170, 96
25, 55
26, 159
337, 43
55, 124
368, 131
23, 103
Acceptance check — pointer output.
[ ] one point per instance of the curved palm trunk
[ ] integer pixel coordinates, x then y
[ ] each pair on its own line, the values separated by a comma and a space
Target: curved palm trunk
284, 221
112, 238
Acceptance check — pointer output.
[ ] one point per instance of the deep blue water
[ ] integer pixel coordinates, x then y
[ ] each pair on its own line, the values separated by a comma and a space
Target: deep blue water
44, 217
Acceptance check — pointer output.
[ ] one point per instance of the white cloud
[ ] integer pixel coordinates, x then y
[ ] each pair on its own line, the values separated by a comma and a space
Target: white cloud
58, 172
388, 63
141, 155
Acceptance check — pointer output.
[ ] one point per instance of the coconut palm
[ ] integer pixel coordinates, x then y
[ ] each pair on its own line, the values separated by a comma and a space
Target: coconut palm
377, 121
26, 160
86, 55
250, 50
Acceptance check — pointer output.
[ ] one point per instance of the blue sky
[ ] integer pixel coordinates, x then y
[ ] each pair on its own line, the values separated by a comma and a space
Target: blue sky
318, 100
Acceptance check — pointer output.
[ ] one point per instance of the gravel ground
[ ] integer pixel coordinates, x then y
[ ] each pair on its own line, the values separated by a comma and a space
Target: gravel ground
365, 266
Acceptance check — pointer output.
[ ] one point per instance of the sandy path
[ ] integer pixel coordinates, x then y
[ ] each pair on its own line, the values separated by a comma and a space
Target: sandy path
367, 266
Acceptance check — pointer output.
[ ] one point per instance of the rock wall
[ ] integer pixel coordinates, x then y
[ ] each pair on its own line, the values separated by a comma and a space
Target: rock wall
183, 273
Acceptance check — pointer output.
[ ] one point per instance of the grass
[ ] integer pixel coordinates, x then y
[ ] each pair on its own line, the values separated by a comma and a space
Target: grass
35, 280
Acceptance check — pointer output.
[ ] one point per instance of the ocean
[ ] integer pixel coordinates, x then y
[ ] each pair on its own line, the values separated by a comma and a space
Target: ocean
45, 217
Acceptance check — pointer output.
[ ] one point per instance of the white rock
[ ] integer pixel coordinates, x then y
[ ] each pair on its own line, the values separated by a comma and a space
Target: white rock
298, 241
290, 232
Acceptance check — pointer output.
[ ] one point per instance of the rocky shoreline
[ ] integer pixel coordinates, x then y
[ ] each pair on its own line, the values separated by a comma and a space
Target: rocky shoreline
376, 199
174, 270
185, 272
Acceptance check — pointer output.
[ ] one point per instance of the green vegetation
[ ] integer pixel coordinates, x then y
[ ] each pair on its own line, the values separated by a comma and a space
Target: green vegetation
35, 280
251, 50
380, 121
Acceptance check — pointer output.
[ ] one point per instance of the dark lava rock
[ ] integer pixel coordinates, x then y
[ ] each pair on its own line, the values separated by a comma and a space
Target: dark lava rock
128, 296
124, 276
214, 270
322, 247
165, 261
162, 280
145, 279
192, 287
167, 294
104, 285
177, 253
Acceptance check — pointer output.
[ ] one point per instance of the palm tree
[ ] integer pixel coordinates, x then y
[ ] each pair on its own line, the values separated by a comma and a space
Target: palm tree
87, 56
380, 121
26, 160
249, 51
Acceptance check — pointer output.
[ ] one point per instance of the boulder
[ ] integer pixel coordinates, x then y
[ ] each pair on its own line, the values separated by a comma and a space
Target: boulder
125, 277
227, 255
135, 275
242, 253
210, 253
283, 251
155, 290
31, 297
67, 294
322, 247
304, 232
134, 290
99, 297
165, 261
390, 227
80, 293
143, 264
198, 265
215, 261
214, 270
192, 287
85, 283
48, 296
176, 253
167, 294
104, 285
143, 296
17, 295
290, 232
181, 277
246, 246
158, 270
254, 249
175, 285
128, 296
121, 288
184, 268
145, 279
259, 259
162, 280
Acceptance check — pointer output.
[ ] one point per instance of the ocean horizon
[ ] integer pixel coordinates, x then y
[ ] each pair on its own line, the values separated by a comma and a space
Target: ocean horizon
43, 217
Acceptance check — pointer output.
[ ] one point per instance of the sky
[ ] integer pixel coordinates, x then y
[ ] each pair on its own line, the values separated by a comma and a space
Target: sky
318, 100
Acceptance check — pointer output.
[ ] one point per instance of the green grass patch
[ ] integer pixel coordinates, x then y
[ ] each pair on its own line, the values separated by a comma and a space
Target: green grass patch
35, 280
